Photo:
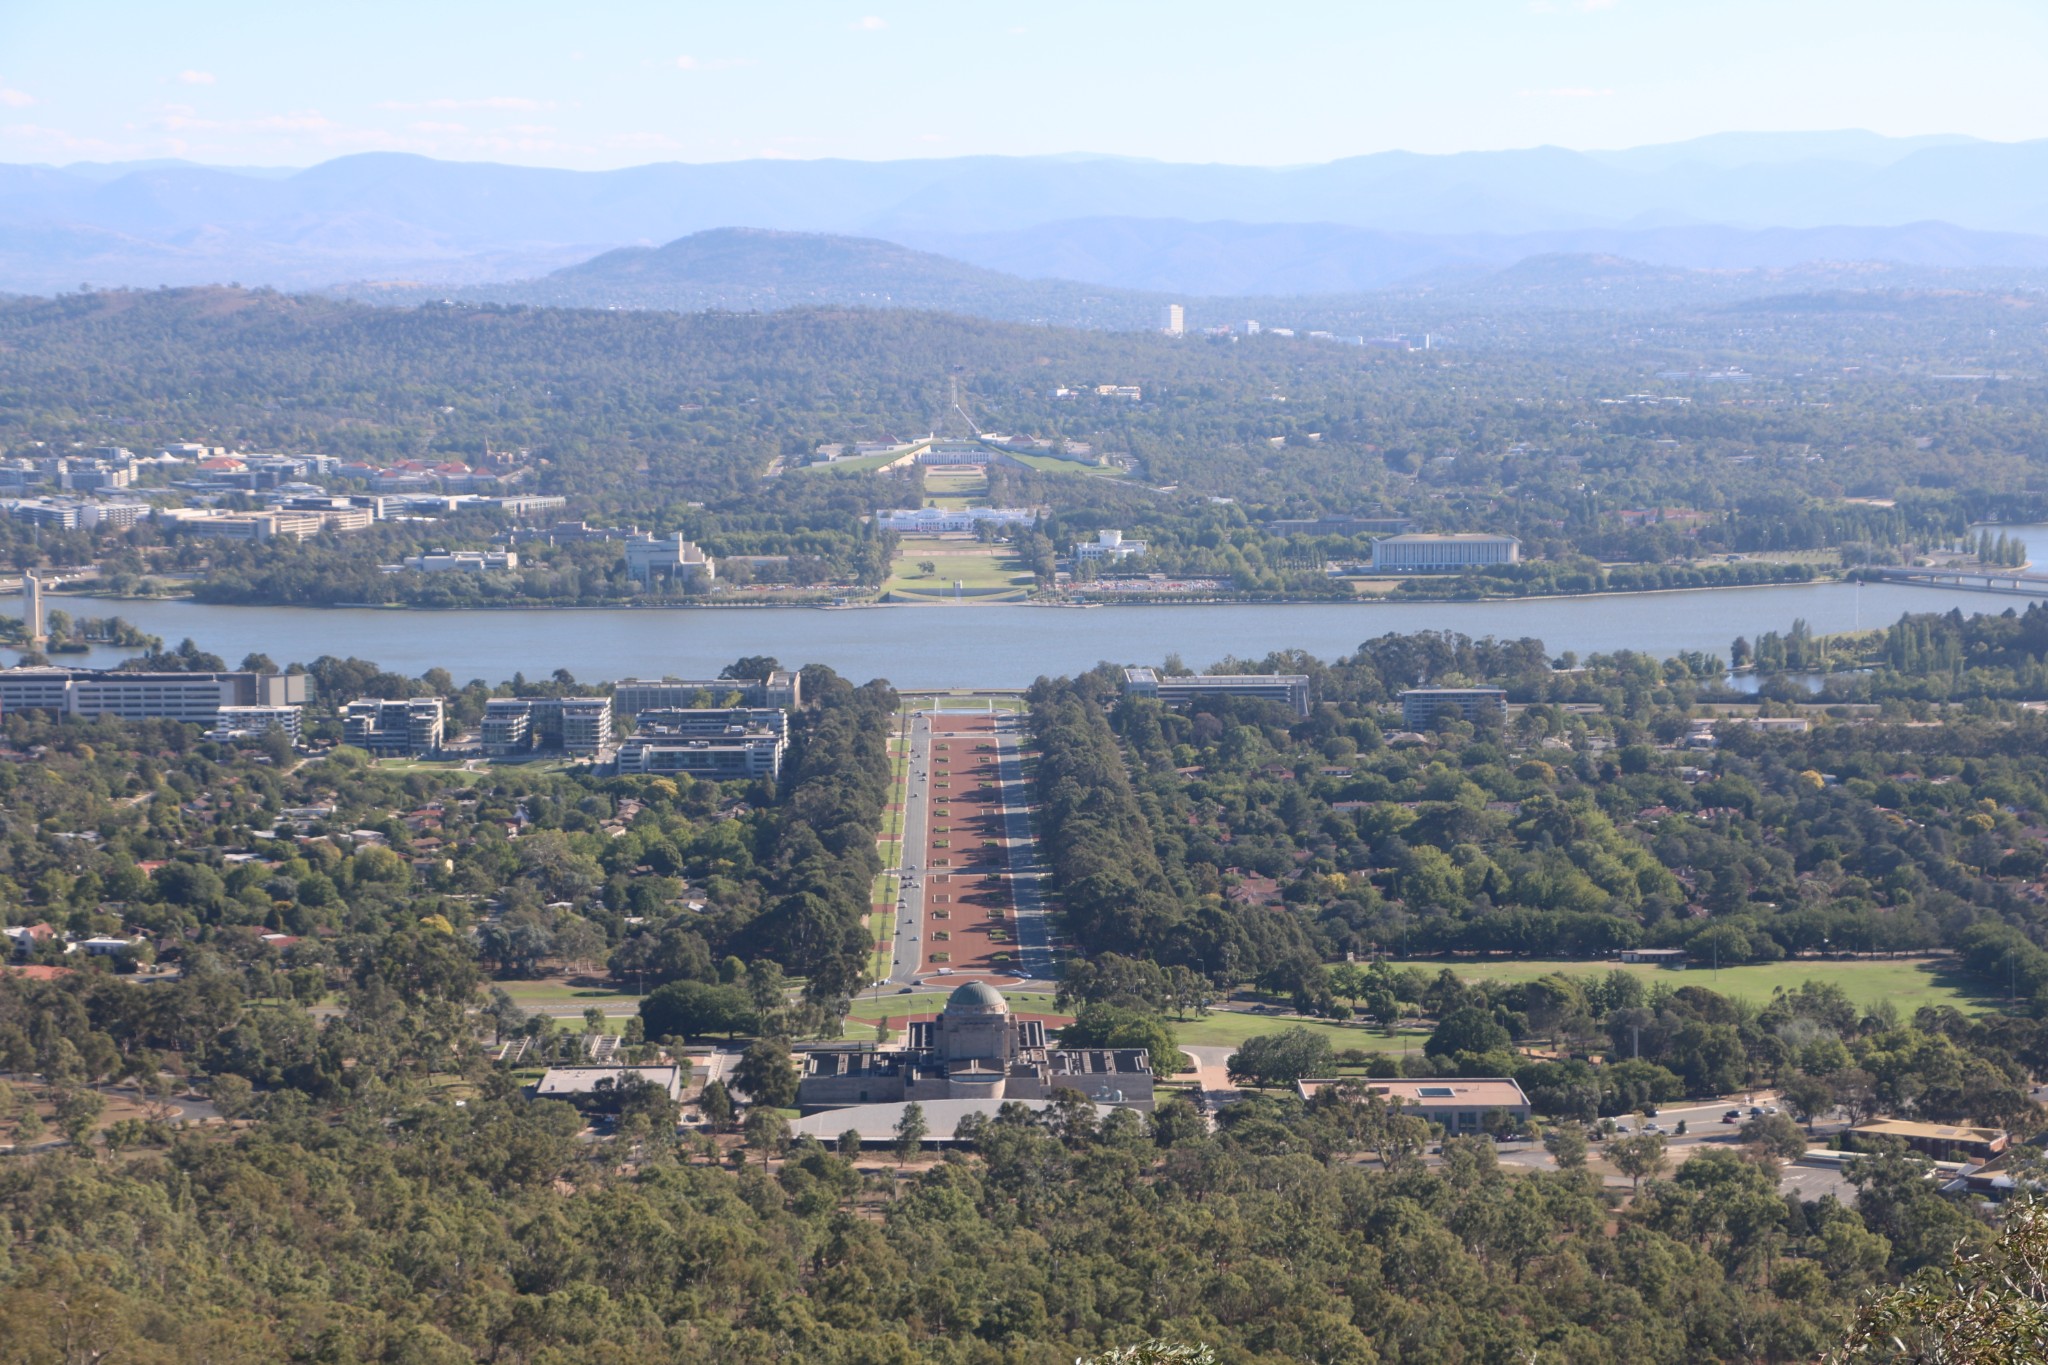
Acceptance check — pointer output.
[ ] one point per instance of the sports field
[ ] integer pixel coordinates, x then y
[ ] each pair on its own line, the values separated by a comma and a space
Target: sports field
1908, 983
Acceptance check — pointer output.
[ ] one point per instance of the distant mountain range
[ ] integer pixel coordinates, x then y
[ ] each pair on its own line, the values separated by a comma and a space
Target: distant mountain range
1730, 202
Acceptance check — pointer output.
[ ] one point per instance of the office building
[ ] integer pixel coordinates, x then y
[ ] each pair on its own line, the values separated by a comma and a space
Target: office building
195, 697
673, 559
1288, 689
1420, 706
1458, 1105
1173, 320
395, 729
253, 722
1443, 554
267, 526
1109, 545
463, 561
781, 688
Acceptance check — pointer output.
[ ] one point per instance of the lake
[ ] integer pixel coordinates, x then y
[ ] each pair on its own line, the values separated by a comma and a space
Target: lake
984, 646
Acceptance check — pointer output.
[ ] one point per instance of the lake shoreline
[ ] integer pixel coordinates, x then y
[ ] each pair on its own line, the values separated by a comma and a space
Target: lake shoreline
1132, 600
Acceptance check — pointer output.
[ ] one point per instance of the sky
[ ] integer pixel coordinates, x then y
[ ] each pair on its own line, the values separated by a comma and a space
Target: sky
608, 83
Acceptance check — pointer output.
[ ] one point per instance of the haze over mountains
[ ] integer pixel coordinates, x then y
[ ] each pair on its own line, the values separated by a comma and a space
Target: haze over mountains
1750, 201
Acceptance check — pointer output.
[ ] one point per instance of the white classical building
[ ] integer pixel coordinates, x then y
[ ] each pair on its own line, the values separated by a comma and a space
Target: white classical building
1107, 545
1443, 554
931, 520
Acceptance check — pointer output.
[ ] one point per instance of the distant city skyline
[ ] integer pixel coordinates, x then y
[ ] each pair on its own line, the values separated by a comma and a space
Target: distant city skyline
630, 82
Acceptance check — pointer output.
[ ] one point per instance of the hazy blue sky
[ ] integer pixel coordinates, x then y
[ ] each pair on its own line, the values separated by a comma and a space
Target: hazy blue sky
614, 82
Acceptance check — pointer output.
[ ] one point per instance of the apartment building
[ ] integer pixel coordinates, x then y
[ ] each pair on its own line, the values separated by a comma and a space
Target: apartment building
399, 729
781, 688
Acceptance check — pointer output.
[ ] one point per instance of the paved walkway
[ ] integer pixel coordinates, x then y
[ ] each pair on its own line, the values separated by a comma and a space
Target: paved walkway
1027, 872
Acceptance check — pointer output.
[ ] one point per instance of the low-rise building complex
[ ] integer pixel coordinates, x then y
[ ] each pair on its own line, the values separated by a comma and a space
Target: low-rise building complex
1289, 689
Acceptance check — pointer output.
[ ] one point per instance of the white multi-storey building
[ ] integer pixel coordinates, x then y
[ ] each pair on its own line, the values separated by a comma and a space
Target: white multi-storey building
1443, 554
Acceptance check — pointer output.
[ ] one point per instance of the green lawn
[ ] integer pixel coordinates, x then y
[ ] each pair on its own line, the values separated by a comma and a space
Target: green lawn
972, 571
955, 491
1907, 983
1224, 1028
1059, 464
861, 466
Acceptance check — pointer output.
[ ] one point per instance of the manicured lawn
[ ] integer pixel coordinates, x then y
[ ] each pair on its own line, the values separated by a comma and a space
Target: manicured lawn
972, 571
1908, 983
1056, 464
860, 466
1225, 1028
955, 490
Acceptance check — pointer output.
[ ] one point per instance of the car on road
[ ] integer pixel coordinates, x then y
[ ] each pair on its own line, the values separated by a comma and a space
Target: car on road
1732, 1116
1756, 1111
1653, 1128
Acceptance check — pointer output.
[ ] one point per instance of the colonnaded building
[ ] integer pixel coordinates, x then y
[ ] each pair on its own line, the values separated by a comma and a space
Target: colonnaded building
975, 1050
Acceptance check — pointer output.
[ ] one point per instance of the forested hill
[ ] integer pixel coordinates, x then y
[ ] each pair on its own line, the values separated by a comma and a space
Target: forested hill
635, 412
752, 269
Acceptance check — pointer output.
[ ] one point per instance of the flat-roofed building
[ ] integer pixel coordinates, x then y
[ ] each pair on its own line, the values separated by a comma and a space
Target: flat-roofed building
631, 696
194, 697
584, 723
602, 1087
386, 728
574, 725
264, 526
1288, 689
507, 726
463, 561
702, 722
1654, 957
1420, 706
736, 756
252, 722
1443, 554
1456, 1103
1938, 1141
680, 561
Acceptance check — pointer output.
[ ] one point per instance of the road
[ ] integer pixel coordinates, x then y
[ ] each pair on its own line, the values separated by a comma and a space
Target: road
907, 958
